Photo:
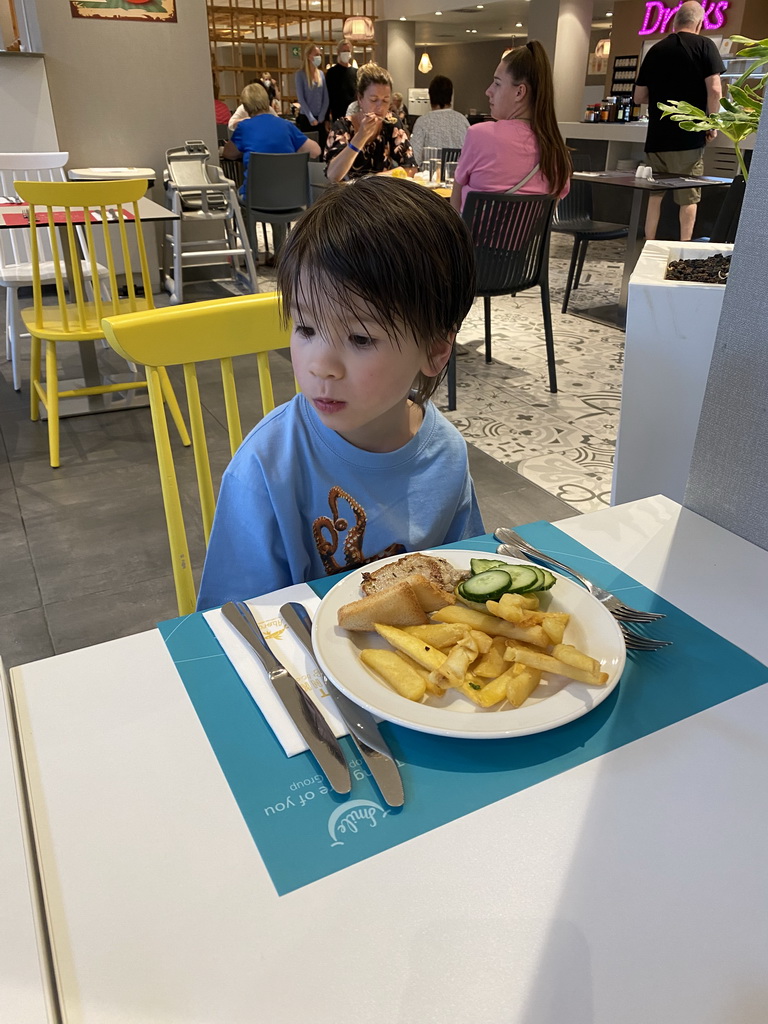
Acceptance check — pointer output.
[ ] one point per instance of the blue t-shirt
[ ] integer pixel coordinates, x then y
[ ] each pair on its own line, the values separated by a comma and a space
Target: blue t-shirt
298, 502
265, 133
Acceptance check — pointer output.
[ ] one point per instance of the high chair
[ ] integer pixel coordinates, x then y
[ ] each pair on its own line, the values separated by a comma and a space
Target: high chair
184, 336
197, 191
97, 206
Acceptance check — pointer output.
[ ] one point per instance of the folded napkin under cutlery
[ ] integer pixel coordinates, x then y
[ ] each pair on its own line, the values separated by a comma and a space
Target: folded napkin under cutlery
289, 651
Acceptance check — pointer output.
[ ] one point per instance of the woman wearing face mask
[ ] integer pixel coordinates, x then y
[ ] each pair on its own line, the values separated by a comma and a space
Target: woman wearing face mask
373, 140
312, 94
341, 80
522, 149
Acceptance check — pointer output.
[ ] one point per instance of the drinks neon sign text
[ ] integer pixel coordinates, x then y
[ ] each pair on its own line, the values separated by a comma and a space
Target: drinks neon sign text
658, 16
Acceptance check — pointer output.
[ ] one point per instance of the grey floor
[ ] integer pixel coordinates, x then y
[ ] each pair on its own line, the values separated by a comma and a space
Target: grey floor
83, 548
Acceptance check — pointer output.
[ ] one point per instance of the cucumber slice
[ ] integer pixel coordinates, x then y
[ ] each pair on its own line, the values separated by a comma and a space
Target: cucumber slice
478, 565
487, 586
524, 578
472, 602
549, 580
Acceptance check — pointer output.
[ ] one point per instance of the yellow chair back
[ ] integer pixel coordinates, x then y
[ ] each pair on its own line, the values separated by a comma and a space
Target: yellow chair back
97, 206
198, 332
88, 223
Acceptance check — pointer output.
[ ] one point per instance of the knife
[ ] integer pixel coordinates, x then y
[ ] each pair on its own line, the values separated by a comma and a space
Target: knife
306, 717
361, 723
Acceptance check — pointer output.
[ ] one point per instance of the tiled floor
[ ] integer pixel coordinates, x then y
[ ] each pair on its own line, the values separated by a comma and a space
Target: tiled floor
83, 549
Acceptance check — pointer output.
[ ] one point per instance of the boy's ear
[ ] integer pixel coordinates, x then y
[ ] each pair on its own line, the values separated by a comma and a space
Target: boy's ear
438, 355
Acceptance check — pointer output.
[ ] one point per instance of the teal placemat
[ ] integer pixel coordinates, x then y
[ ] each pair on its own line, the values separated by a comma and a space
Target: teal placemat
304, 831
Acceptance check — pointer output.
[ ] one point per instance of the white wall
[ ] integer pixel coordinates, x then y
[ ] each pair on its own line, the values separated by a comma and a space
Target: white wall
125, 91
27, 124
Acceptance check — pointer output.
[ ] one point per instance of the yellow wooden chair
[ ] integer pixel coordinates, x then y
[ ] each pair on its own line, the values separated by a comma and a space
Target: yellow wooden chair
184, 336
96, 211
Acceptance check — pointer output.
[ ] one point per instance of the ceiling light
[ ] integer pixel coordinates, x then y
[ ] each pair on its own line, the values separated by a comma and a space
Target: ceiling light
609, 14
438, 12
358, 30
518, 24
403, 19
425, 64
479, 7
468, 30
474, 30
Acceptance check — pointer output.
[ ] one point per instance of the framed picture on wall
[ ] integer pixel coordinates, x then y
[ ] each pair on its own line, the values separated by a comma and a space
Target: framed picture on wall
125, 10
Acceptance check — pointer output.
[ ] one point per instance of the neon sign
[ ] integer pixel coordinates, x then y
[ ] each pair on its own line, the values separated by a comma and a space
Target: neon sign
658, 16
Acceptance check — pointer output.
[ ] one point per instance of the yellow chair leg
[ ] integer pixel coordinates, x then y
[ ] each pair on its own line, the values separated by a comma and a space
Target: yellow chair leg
34, 378
173, 406
52, 401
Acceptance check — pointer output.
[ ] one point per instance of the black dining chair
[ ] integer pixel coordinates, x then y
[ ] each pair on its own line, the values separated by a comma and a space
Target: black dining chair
276, 192
727, 220
449, 155
511, 236
574, 217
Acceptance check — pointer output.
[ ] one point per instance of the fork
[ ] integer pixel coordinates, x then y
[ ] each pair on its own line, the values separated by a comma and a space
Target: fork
635, 642
519, 547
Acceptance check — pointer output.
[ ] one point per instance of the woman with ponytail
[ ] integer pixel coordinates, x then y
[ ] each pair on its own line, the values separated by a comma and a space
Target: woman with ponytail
522, 148
312, 94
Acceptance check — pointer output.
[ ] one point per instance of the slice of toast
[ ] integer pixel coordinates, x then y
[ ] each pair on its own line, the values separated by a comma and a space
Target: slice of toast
429, 595
395, 606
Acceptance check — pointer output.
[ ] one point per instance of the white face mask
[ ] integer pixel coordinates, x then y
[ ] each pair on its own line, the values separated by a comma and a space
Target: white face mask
345, 57
317, 60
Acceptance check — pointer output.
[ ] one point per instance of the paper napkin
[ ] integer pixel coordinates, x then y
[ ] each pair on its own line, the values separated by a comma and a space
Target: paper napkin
289, 651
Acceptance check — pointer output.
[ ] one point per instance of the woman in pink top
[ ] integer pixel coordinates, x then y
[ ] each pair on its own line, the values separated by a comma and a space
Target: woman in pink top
497, 155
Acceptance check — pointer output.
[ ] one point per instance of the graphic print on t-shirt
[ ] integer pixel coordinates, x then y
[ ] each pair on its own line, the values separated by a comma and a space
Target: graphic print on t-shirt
328, 543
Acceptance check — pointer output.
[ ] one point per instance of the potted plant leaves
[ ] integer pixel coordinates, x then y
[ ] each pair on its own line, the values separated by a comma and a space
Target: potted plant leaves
739, 114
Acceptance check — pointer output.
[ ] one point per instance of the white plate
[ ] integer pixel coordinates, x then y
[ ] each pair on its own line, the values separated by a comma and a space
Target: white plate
556, 701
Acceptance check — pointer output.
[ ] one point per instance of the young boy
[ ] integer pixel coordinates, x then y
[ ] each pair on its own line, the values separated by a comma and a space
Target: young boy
376, 278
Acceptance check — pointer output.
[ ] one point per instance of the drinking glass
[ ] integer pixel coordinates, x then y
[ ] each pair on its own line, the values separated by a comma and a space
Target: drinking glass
429, 155
450, 172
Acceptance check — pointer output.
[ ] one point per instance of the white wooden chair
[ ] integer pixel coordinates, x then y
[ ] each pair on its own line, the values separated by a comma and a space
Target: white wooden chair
15, 266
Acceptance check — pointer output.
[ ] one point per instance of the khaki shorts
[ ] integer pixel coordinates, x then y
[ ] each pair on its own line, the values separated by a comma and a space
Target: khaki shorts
680, 162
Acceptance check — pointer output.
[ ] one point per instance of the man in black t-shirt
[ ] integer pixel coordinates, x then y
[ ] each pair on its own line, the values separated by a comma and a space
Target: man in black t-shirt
341, 81
684, 66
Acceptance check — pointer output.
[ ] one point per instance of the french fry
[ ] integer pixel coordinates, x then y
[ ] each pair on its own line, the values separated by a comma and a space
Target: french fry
453, 670
439, 634
510, 611
432, 688
421, 652
547, 663
395, 671
481, 641
491, 624
554, 625
572, 656
520, 682
486, 696
491, 664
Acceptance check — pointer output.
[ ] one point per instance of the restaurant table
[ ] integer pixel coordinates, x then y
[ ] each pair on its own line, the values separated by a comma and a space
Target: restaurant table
629, 888
615, 314
150, 213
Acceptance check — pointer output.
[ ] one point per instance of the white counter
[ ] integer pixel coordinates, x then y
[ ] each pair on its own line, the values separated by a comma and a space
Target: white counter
627, 142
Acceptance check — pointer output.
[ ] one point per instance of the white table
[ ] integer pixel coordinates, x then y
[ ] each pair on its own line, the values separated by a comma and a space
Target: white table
629, 889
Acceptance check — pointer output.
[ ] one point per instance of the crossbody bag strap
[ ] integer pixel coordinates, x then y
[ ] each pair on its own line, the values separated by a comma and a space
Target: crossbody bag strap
525, 180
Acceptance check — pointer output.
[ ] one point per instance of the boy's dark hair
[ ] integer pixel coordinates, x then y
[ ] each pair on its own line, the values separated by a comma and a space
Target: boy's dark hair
391, 243
440, 91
